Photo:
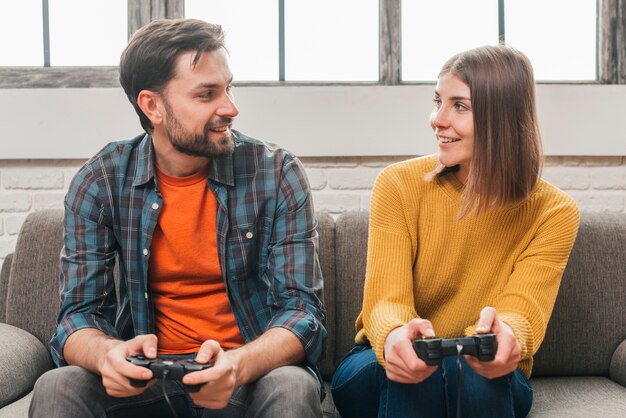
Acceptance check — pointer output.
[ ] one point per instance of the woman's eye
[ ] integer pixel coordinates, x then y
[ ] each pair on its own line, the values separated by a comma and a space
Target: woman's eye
437, 102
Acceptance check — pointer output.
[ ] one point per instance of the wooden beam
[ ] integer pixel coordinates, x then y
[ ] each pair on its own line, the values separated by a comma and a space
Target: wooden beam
621, 43
607, 53
389, 45
142, 12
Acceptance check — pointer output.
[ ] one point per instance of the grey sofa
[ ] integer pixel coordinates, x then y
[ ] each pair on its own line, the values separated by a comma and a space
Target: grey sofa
580, 370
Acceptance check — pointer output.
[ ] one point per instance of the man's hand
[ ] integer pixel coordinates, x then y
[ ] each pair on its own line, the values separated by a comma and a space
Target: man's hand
218, 381
403, 365
116, 371
509, 350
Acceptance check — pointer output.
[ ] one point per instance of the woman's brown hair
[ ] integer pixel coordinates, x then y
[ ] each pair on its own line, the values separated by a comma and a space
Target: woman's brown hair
507, 158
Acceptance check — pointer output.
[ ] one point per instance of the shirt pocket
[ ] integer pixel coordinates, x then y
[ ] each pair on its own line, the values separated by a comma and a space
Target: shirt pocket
242, 258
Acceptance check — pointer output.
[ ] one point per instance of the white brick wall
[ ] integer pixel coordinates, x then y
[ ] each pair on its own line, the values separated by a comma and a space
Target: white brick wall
339, 184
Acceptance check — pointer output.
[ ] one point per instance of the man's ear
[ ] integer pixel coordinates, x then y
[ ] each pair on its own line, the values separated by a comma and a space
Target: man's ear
150, 104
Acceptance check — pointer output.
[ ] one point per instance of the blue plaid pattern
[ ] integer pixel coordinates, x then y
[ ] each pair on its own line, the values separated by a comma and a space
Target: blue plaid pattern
266, 236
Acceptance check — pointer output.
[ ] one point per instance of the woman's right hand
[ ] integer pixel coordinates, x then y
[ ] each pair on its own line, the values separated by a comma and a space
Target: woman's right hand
403, 365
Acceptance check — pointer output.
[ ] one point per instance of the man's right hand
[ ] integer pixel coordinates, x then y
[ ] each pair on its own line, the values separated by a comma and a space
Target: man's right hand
403, 365
116, 371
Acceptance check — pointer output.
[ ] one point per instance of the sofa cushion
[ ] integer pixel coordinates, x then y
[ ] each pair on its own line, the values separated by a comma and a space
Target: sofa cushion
591, 305
35, 275
577, 397
17, 409
24, 359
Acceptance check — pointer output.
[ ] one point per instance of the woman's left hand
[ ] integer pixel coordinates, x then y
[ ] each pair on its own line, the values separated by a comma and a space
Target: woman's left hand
509, 350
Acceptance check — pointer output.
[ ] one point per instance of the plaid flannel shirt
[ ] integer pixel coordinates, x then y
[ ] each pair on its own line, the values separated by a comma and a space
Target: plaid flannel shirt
266, 236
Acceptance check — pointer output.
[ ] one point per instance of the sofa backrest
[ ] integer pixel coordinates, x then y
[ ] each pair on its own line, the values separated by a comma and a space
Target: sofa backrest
326, 252
350, 254
589, 318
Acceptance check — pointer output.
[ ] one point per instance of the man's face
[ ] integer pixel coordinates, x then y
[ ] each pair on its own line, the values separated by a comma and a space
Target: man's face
199, 107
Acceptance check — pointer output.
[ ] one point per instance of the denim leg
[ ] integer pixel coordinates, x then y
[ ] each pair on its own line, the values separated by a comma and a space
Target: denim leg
288, 391
72, 391
355, 385
360, 388
509, 396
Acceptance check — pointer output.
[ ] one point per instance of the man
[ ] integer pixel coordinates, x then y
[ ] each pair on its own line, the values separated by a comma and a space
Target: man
213, 237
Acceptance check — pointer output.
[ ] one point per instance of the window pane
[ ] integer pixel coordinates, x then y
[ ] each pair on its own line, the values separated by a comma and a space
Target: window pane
433, 31
558, 36
87, 32
251, 28
331, 40
21, 33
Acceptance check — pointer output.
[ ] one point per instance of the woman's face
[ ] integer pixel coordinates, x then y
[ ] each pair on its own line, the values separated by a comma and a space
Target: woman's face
453, 123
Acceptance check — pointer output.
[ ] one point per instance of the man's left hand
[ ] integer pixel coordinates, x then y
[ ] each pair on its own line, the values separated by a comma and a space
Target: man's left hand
218, 381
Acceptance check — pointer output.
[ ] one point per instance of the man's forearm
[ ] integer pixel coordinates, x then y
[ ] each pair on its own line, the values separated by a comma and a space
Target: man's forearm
87, 348
275, 348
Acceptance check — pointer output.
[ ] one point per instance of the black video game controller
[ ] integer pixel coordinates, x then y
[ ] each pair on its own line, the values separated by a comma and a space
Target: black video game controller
433, 350
172, 367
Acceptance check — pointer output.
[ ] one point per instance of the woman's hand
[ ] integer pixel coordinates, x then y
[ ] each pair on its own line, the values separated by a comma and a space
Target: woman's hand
403, 365
509, 350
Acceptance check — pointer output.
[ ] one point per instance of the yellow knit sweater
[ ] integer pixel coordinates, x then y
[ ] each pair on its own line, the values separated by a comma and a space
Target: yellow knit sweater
423, 262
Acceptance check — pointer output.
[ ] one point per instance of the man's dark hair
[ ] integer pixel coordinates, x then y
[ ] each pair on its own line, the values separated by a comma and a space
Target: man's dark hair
148, 61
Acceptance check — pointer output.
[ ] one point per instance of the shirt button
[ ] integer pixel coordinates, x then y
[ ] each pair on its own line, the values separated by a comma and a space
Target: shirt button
146, 295
145, 251
249, 235
155, 206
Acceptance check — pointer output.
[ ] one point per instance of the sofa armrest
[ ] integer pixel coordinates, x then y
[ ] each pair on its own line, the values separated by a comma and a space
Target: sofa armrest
4, 285
617, 371
23, 358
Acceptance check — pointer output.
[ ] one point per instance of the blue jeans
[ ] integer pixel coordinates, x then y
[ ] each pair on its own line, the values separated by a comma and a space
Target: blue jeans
361, 389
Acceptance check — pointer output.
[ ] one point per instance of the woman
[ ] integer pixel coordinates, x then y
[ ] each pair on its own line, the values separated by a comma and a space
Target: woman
468, 241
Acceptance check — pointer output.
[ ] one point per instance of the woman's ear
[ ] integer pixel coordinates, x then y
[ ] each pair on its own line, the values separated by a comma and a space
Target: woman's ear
150, 104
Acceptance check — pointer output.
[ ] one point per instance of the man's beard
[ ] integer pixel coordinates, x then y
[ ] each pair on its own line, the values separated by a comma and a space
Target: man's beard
197, 145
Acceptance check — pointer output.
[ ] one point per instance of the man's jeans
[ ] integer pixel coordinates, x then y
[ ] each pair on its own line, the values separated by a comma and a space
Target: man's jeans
361, 389
72, 391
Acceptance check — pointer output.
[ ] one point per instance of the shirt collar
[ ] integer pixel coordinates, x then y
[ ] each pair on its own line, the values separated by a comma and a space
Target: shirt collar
145, 170
221, 169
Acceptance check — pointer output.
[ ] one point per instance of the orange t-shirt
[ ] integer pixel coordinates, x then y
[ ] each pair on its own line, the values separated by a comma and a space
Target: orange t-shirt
190, 300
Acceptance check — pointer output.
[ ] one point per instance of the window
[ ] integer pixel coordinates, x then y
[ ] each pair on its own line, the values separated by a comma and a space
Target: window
331, 40
320, 41
431, 33
78, 33
558, 36
21, 34
562, 42
324, 40
251, 28
87, 33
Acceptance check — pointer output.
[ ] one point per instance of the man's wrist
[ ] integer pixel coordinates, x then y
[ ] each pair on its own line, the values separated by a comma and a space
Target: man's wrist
235, 357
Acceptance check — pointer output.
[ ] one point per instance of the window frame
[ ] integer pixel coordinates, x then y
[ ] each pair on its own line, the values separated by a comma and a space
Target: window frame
610, 56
